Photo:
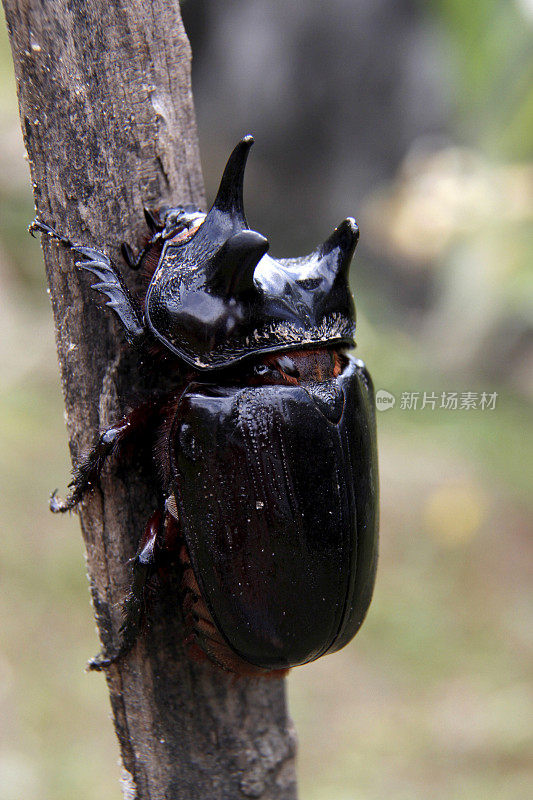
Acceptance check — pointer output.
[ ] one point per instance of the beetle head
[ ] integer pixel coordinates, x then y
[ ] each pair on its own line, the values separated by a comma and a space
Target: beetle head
216, 297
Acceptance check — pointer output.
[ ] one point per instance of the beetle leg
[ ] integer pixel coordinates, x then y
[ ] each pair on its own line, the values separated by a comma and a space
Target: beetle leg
144, 564
152, 220
175, 220
156, 226
134, 262
87, 471
109, 283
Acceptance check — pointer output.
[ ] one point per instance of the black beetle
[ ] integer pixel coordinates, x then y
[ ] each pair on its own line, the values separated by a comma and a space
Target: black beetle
266, 446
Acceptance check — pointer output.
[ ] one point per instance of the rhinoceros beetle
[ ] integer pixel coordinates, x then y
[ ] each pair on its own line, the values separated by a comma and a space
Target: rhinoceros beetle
266, 445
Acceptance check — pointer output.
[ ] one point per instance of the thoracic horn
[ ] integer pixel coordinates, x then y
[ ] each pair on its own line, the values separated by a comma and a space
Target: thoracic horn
338, 250
229, 199
231, 270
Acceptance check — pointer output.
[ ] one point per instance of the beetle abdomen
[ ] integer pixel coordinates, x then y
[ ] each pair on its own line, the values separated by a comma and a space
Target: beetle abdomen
277, 495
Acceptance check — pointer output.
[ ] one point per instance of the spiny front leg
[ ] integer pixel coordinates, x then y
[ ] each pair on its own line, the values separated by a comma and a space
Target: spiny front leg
109, 283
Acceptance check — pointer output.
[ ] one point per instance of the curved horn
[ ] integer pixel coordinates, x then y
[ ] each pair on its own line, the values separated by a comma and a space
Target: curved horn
231, 271
229, 197
341, 245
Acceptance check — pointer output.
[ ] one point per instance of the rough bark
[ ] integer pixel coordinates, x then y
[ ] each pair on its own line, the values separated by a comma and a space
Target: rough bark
108, 120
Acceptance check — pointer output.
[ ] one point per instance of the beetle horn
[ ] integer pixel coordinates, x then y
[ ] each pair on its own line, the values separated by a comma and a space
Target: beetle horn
340, 247
231, 271
229, 198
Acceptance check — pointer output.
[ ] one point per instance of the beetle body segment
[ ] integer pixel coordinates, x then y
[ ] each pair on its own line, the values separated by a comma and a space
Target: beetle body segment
276, 489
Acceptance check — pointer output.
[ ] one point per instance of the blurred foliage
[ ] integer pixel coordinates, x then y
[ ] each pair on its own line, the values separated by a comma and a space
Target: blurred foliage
493, 59
434, 698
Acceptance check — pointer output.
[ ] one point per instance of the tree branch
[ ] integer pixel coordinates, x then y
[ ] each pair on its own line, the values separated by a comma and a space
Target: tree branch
108, 120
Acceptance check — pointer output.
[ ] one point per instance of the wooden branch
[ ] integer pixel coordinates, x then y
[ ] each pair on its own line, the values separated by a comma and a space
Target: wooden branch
108, 120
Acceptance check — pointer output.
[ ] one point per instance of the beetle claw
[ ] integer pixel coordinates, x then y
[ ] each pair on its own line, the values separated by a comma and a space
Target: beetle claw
154, 224
100, 663
58, 506
127, 255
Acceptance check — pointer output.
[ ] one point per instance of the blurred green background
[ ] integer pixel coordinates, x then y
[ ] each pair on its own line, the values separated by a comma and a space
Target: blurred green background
418, 119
